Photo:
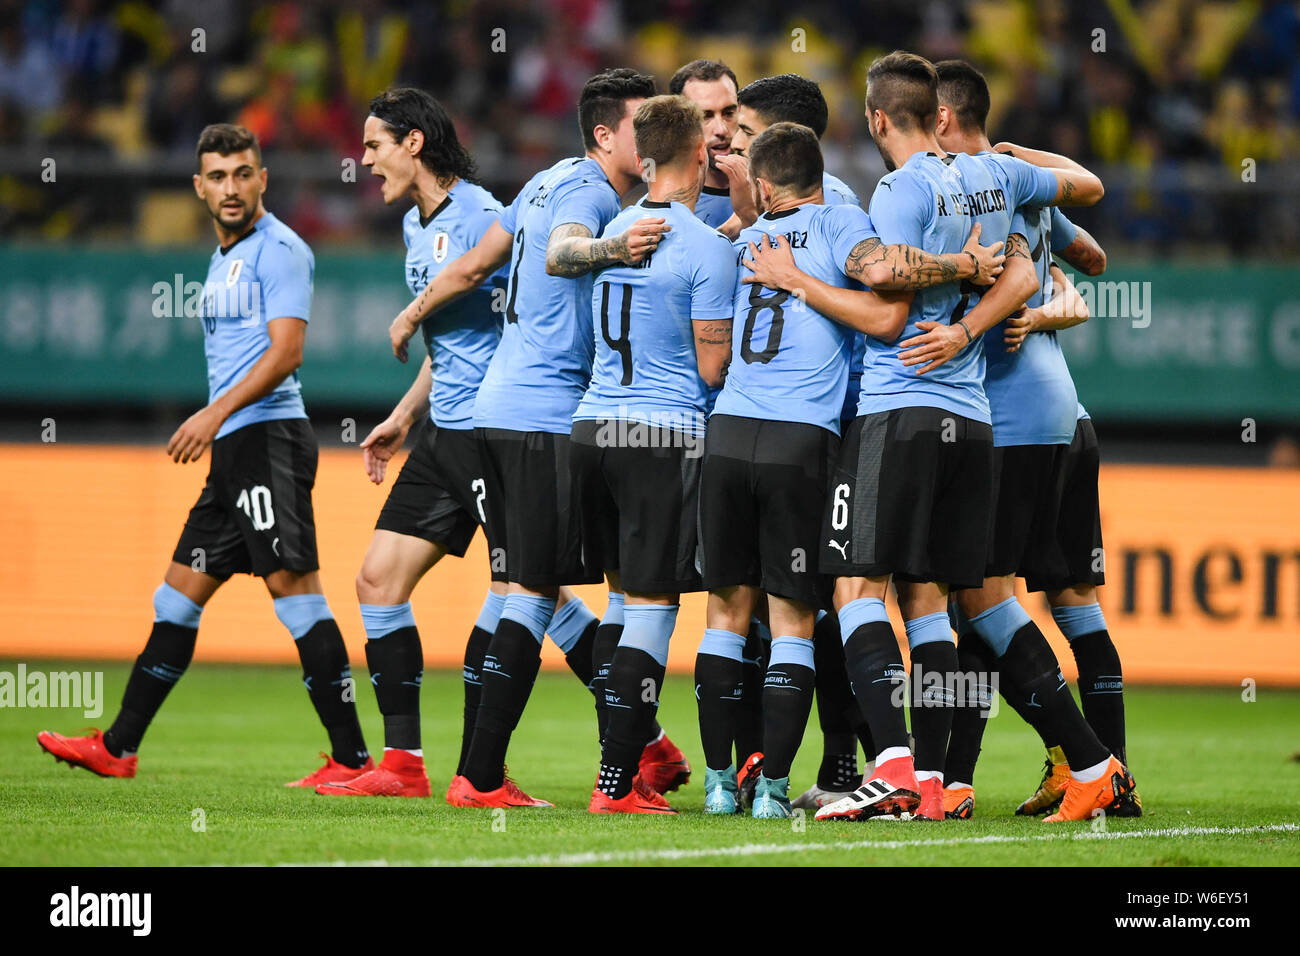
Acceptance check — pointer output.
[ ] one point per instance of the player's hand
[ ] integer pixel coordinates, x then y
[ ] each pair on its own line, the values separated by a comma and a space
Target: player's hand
383, 442
399, 333
736, 169
773, 266
641, 239
938, 343
988, 260
196, 434
1017, 327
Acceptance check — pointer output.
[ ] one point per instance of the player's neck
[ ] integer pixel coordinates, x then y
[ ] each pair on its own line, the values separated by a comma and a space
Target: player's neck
428, 194
907, 146
674, 186
716, 179
227, 238
782, 202
621, 181
972, 143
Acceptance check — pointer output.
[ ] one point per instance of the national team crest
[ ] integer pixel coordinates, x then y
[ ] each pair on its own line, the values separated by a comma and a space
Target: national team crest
441, 243
232, 276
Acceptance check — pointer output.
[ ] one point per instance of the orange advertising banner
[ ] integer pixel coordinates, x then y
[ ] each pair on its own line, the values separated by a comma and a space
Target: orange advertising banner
1202, 567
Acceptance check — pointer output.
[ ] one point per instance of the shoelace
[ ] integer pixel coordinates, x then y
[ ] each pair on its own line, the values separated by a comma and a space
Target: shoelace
512, 788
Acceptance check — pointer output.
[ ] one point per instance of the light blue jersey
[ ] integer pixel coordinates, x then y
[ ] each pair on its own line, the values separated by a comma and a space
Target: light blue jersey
461, 337
923, 203
543, 363
790, 363
1031, 393
1063, 233
836, 192
713, 208
645, 368
263, 276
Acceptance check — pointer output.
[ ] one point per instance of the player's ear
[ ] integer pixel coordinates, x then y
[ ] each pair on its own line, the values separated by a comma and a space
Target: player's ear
415, 142
944, 117
198, 186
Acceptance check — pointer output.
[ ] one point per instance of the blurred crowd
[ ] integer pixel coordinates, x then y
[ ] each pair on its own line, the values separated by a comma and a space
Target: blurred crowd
1174, 95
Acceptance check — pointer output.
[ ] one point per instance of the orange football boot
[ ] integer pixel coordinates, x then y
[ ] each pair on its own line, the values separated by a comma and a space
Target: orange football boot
399, 774
663, 766
461, 793
641, 799
332, 772
1105, 793
1056, 773
958, 803
88, 752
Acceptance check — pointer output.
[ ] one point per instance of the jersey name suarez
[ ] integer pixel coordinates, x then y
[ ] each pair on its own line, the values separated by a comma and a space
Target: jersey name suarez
462, 336
543, 364
789, 362
645, 368
1031, 394
265, 275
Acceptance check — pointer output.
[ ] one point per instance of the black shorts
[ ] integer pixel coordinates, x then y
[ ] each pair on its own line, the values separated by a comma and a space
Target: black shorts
1027, 487
254, 515
532, 507
1079, 558
911, 497
441, 494
762, 494
639, 504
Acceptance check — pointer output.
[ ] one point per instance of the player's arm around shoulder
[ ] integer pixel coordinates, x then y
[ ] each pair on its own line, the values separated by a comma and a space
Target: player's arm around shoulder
1075, 185
572, 251
459, 277
1076, 246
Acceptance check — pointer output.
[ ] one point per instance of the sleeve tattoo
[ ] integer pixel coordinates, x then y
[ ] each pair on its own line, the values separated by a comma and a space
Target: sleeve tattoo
910, 268
571, 251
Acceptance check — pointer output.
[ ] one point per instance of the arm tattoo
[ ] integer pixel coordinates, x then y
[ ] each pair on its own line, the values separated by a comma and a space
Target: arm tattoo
1067, 190
571, 251
1018, 247
714, 333
910, 268
1084, 253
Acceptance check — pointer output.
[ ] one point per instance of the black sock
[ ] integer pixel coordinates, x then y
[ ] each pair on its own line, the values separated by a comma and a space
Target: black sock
327, 673
602, 654
749, 715
787, 702
717, 693
1035, 673
160, 665
582, 654
934, 665
878, 679
836, 708
396, 663
472, 677
509, 671
631, 703
655, 732
1101, 689
974, 700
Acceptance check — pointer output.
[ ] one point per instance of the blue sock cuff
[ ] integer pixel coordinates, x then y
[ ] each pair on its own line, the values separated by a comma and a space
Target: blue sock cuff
300, 612
928, 629
531, 611
381, 619
998, 625
614, 612
568, 624
1079, 620
862, 611
490, 613
172, 607
722, 643
792, 650
648, 627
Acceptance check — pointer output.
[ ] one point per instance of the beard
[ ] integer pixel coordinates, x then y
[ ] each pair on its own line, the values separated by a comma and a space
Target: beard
239, 225
890, 166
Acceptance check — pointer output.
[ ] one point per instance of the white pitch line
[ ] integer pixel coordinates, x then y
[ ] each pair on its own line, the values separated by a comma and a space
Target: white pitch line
761, 849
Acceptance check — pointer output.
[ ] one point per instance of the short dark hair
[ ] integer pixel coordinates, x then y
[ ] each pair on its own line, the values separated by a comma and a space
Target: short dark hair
963, 89
666, 128
787, 98
404, 108
787, 155
905, 88
704, 70
224, 139
603, 101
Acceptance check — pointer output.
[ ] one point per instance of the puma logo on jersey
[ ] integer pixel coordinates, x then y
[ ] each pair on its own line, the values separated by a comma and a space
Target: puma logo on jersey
841, 548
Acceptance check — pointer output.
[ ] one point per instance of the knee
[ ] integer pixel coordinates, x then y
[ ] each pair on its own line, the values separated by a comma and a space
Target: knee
375, 587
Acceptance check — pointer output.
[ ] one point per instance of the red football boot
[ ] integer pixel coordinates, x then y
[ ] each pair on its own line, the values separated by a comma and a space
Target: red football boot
641, 799
399, 774
663, 766
891, 790
332, 772
88, 752
461, 793
747, 778
931, 807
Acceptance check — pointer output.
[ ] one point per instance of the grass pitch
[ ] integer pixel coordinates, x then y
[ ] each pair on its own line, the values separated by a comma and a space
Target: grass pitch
1218, 776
